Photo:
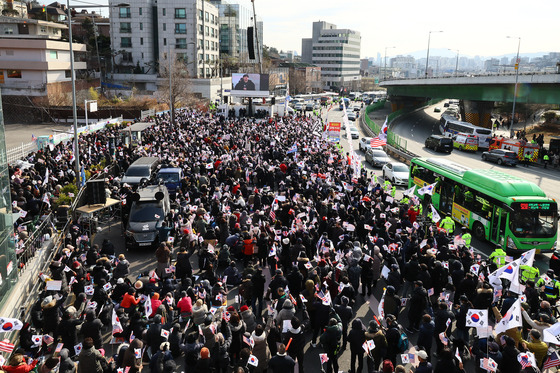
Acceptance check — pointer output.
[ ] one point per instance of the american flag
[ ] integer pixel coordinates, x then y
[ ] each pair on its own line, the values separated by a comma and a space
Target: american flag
6, 346
324, 358
376, 141
524, 360
552, 361
272, 208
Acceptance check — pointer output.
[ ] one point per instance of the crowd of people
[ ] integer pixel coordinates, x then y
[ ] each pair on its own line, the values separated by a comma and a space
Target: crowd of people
276, 240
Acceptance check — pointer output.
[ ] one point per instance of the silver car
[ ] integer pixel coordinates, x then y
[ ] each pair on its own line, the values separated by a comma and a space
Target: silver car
377, 158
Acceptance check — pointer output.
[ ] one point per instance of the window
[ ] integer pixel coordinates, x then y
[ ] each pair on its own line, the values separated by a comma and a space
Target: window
207, 30
141, 25
211, 18
53, 55
124, 12
126, 42
126, 27
14, 74
9, 53
201, 71
142, 55
43, 30
206, 16
164, 12
68, 74
140, 11
164, 27
180, 28
141, 41
181, 43
8, 30
180, 13
127, 57
55, 31
164, 41
200, 15
182, 57
200, 29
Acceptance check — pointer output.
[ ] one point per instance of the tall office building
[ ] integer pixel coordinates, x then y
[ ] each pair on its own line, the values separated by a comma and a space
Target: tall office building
336, 51
147, 30
235, 19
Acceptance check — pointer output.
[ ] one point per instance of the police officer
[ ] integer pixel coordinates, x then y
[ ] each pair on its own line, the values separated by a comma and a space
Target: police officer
498, 256
527, 158
466, 236
545, 159
529, 273
551, 286
448, 224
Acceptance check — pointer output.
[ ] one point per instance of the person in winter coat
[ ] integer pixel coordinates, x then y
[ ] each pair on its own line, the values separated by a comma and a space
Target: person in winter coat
203, 365
17, 364
376, 334
296, 346
220, 352
51, 309
392, 303
183, 267
286, 313
122, 269
249, 319
447, 363
191, 349
66, 364
92, 328
175, 339
394, 278
366, 275
356, 338
509, 363
130, 359
153, 335
424, 366
426, 334
281, 363
393, 336
67, 329
442, 314
344, 311
418, 302
330, 340
258, 281
199, 312
237, 330
261, 350
90, 359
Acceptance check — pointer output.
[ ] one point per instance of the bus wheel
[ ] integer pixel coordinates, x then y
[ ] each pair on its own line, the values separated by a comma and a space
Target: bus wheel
478, 230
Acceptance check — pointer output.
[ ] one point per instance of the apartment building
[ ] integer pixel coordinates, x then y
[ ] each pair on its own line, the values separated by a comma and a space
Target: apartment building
145, 32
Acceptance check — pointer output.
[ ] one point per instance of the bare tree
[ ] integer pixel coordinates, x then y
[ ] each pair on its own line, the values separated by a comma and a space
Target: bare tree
174, 87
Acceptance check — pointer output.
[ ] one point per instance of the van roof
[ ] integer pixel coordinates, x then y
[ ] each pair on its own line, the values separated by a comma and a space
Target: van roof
144, 161
169, 170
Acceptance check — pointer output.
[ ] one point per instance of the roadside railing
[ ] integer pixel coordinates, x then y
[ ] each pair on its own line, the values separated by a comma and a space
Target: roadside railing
20, 152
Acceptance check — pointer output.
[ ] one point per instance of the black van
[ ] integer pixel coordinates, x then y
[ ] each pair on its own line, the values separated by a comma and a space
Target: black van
142, 168
439, 143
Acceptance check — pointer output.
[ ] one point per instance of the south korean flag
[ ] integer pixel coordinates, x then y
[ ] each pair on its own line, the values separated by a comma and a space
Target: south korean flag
477, 318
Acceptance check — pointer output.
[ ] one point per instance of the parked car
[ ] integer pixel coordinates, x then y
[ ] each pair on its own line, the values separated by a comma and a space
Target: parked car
365, 144
439, 143
357, 107
377, 158
554, 263
500, 156
309, 106
437, 109
298, 107
396, 173
352, 116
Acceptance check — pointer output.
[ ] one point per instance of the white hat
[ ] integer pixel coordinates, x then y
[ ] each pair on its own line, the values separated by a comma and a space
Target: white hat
422, 354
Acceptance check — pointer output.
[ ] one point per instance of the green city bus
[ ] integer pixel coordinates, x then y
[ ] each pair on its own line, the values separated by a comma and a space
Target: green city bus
495, 206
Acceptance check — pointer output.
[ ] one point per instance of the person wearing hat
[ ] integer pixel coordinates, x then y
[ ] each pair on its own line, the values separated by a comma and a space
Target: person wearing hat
130, 359
418, 303
549, 286
160, 357
282, 363
466, 236
424, 366
50, 309
393, 336
90, 359
68, 328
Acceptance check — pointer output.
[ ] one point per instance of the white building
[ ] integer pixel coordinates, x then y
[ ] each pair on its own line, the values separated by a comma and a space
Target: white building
145, 32
34, 61
337, 52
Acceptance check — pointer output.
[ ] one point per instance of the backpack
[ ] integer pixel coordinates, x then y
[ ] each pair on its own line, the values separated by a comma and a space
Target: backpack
402, 345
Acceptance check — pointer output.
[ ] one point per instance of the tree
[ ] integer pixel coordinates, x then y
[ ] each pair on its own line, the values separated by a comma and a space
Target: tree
178, 75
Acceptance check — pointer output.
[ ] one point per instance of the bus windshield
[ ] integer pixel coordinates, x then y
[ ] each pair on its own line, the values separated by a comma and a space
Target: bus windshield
534, 220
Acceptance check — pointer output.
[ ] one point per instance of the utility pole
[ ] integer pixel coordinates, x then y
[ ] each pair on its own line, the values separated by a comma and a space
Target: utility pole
257, 37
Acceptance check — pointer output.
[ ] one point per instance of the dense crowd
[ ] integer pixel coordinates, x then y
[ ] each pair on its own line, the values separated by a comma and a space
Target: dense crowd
276, 239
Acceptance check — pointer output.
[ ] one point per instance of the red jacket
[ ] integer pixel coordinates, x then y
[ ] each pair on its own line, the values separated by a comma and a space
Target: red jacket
21, 368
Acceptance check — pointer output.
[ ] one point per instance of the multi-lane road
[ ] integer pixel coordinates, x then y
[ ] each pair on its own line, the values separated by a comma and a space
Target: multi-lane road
417, 126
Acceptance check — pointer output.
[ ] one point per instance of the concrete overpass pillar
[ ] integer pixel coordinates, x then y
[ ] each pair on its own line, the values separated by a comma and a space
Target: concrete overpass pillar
477, 112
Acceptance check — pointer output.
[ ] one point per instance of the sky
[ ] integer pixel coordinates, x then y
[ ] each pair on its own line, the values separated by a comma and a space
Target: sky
476, 27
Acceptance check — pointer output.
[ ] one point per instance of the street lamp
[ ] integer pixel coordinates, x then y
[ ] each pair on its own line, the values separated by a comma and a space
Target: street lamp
456, 61
515, 89
385, 68
428, 53
73, 74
